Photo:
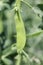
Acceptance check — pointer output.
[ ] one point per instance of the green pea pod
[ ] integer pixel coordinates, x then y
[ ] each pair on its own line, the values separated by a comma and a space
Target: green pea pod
20, 29
1, 26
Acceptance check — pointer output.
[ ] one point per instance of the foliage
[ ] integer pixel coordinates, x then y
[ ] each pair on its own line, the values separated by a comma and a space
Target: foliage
21, 32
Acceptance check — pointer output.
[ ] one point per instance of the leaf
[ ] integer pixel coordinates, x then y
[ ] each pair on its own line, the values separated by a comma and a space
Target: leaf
7, 61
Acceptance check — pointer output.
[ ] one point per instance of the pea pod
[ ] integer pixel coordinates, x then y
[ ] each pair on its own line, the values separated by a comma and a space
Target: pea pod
20, 29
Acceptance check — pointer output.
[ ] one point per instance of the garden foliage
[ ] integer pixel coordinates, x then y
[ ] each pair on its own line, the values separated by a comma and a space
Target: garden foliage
21, 32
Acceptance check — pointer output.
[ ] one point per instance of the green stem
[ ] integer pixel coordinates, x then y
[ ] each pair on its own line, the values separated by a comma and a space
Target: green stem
18, 59
26, 55
29, 6
17, 4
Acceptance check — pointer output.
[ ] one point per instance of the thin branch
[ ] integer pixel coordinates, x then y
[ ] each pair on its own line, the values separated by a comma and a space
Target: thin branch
29, 5
18, 59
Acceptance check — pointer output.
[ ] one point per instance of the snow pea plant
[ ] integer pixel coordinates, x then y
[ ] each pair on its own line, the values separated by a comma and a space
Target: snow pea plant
21, 34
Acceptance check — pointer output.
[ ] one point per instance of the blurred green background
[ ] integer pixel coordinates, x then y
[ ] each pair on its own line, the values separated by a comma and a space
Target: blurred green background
33, 24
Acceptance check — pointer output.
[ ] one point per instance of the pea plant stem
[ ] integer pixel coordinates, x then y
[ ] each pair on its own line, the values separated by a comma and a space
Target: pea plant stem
26, 55
18, 58
27, 4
